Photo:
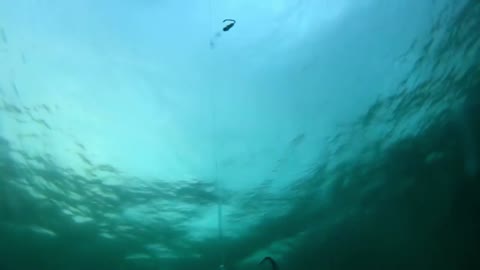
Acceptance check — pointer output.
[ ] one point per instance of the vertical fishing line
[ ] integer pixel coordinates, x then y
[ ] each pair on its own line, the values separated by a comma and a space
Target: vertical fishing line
218, 186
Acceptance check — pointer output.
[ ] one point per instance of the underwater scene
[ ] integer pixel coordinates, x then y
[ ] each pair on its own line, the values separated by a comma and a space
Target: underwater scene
232, 135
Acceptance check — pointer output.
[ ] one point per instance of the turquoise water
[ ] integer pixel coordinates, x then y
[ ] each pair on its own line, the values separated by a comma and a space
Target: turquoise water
324, 134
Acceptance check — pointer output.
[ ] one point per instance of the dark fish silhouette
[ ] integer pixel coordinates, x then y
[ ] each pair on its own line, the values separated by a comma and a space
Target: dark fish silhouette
272, 262
225, 29
230, 25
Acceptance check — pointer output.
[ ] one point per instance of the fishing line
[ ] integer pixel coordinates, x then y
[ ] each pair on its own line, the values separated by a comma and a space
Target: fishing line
218, 186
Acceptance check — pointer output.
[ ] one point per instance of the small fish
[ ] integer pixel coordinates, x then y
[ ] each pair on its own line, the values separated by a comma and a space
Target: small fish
230, 25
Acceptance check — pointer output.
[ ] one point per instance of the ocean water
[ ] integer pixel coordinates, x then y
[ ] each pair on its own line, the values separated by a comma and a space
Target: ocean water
332, 134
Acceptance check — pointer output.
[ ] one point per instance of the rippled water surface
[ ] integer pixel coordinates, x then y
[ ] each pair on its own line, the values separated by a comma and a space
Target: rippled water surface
326, 134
